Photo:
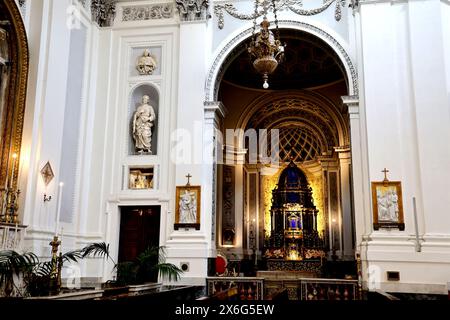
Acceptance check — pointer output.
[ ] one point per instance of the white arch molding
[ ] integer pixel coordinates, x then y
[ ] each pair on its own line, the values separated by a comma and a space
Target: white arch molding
219, 64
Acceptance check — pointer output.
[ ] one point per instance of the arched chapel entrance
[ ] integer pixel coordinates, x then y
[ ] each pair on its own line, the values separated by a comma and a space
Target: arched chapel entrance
300, 121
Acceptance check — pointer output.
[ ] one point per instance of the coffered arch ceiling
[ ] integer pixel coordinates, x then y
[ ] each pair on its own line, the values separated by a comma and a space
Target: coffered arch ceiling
307, 122
301, 102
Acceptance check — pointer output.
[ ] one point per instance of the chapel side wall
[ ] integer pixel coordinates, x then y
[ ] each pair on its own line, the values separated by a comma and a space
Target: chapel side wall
408, 126
121, 87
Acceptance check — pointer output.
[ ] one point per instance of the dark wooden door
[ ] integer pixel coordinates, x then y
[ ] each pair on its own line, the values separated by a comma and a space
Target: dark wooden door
139, 230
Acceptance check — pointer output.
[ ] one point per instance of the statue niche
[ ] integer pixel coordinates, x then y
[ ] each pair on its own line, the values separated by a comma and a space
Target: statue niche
294, 235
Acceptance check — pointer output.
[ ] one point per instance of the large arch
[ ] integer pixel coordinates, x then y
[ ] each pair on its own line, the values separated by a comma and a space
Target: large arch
225, 56
329, 169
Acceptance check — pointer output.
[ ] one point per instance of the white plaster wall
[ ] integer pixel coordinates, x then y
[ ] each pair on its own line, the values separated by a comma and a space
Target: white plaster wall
445, 7
49, 41
408, 126
47, 100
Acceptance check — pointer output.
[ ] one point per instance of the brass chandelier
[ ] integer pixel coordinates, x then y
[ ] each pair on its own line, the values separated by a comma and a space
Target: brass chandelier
265, 49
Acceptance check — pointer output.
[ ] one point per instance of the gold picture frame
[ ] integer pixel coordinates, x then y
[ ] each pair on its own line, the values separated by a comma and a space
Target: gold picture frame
387, 202
187, 207
12, 103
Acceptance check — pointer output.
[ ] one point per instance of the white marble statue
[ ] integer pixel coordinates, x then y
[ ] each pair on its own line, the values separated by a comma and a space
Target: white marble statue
383, 213
388, 205
146, 64
188, 207
142, 126
393, 205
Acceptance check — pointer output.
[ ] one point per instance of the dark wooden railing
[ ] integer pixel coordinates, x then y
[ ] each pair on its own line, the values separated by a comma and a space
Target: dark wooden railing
248, 288
329, 289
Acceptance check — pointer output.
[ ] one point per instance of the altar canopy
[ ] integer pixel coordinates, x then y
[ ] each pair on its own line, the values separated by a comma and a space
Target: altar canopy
294, 234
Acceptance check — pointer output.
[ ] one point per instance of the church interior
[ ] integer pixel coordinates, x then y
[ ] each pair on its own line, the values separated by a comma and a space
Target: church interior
225, 150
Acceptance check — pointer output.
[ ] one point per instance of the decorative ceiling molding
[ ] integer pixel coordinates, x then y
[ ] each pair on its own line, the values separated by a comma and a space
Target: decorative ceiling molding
103, 12
193, 10
148, 12
295, 6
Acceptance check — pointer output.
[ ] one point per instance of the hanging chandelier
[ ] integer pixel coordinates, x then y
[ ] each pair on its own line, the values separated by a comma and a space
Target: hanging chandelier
265, 49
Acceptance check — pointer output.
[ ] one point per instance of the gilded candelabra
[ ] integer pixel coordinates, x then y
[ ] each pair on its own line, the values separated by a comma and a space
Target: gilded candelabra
266, 50
56, 266
9, 207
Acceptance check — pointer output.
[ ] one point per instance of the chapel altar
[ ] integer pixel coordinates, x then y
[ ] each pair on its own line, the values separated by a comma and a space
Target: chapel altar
294, 243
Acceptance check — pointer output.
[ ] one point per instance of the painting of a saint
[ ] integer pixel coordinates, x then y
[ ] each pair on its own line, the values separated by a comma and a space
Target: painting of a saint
188, 207
387, 205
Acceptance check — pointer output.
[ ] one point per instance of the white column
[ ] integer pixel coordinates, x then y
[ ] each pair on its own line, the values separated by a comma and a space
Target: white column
214, 112
359, 172
346, 205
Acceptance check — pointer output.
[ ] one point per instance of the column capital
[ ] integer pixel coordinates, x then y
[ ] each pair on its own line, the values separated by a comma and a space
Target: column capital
343, 152
214, 108
352, 102
193, 10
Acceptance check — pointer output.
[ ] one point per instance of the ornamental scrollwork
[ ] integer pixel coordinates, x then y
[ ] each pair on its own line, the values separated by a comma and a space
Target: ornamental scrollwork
295, 6
150, 12
103, 12
192, 10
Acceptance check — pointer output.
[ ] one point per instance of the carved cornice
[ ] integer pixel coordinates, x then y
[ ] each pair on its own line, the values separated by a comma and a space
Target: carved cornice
295, 6
148, 12
103, 12
354, 4
215, 107
193, 10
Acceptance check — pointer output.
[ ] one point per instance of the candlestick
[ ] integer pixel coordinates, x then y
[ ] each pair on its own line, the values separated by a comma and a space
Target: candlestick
15, 234
416, 225
14, 157
58, 207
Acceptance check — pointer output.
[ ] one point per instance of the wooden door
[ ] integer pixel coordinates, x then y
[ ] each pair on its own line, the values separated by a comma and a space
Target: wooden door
139, 230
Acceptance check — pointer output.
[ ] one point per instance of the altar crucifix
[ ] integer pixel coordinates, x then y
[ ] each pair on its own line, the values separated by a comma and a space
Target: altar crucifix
385, 171
188, 184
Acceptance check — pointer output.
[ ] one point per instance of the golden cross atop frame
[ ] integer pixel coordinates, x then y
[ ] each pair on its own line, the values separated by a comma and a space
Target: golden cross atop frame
385, 171
189, 180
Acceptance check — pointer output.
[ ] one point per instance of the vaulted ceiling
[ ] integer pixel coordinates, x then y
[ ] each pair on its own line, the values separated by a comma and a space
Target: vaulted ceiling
309, 62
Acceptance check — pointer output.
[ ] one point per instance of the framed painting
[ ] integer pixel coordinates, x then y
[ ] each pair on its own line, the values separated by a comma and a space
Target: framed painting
387, 204
187, 211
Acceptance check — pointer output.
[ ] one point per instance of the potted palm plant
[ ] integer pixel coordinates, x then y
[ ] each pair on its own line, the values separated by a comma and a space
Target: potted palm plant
147, 266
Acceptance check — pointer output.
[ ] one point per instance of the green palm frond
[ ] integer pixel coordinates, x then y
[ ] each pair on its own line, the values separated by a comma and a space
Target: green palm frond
169, 271
13, 263
99, 249
43, 269
73, 256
